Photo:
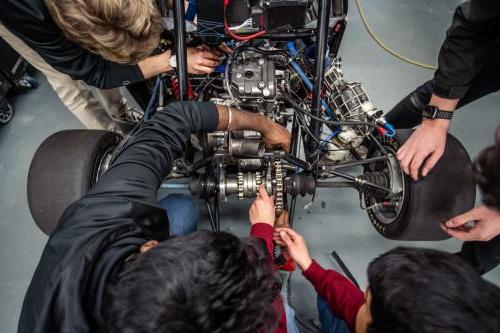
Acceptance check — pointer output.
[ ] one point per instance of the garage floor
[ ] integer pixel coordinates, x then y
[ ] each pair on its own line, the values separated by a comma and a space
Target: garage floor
334, 221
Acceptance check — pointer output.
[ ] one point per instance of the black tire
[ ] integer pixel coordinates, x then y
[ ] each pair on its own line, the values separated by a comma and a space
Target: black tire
448, 190
65, 166
6, 112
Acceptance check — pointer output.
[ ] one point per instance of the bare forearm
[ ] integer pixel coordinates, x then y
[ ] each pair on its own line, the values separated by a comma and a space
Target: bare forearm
155, 65
241, 120
444, 104
274, 135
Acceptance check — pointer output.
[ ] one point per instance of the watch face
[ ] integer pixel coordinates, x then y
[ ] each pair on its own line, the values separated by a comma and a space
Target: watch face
430, 111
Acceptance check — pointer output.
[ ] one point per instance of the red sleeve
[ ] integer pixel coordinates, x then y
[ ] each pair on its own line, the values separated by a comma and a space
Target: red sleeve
265, 232
343, 297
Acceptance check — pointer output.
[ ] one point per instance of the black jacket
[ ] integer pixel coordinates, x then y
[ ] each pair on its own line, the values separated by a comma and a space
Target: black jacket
99, 232
31, 21
470, 42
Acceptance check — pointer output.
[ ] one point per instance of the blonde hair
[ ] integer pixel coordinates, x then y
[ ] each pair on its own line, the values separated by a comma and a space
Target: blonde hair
124, 31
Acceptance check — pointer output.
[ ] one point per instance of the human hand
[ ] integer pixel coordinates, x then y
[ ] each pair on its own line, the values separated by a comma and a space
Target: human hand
427, 144
202, 60
262, 209
273, 134
485, 224
281, 222
296, 247
276, 136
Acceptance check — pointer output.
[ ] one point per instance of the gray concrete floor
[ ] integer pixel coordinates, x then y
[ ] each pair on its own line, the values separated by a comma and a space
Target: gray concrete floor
414, 28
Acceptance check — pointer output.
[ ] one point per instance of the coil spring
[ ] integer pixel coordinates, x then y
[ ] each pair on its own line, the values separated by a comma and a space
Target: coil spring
378, 178
175, 88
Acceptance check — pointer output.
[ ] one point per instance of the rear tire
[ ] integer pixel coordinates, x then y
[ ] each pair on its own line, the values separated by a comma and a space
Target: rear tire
65, 166
448, 190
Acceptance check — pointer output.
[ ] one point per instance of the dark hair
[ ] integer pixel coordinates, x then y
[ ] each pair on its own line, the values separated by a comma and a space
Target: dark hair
487, 173
429, 291
203, 282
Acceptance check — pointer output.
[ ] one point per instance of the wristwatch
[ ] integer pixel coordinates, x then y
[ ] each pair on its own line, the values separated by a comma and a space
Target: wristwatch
173, 61
433, 112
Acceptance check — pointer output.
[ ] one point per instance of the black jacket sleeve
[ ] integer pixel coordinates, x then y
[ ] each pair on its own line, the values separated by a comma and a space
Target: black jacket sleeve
147, 157
470, 41
31, 22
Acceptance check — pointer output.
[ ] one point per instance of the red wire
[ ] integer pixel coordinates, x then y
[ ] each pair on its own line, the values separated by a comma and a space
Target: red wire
232, 34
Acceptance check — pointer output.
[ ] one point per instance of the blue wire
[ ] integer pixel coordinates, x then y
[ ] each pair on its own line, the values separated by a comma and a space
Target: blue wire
151, 103
293, 50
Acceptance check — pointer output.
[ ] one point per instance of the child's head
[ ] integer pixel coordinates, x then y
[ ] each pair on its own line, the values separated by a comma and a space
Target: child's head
429, 291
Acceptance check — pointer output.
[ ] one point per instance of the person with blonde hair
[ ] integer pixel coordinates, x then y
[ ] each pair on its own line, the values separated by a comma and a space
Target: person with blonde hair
93, 43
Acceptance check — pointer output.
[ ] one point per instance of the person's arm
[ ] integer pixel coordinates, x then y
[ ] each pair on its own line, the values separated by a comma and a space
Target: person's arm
43, 36
469, 44
261, 217
343, 297
479, 224
200, 60
147, 157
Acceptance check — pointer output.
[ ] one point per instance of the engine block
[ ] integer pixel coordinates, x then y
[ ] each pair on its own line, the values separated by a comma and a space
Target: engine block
253, 81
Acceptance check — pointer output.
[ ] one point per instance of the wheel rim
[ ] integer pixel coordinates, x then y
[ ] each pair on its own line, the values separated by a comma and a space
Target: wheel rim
390, 208
6, 114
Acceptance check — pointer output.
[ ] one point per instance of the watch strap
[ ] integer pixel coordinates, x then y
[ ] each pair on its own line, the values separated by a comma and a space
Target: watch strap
444, 114
433, 112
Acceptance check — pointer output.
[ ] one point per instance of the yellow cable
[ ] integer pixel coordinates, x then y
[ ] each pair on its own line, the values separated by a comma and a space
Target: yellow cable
385, 47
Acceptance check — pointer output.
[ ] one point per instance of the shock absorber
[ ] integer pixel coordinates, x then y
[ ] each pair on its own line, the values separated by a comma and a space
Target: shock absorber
378, 178
175, 87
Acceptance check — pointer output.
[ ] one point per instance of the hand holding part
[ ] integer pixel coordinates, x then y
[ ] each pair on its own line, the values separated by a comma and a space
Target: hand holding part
479, 224
276, 136
262, 209
281, 222
424, 148
296, 247
202, 60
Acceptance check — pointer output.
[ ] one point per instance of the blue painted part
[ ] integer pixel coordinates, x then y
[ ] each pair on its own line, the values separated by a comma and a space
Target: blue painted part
391, 130
303, 76
191, 11
291, 48
220, 69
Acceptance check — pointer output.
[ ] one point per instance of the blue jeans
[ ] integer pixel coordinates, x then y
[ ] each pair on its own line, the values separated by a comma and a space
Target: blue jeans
330, 323
291, 324
182, 212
